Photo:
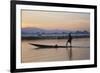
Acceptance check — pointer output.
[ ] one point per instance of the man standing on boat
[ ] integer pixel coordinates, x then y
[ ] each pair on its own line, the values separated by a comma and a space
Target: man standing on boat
69, 40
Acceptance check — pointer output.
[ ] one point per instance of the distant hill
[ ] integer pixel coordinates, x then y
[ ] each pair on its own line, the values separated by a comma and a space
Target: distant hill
37, 32
31, 30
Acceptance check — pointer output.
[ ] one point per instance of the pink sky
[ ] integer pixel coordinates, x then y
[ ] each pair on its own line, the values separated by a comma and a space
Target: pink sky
56, 20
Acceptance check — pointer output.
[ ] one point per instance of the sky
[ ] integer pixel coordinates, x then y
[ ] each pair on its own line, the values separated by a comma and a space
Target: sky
55, 20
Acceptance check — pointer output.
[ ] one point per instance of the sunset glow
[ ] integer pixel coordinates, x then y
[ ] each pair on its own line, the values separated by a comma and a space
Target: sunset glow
56, 20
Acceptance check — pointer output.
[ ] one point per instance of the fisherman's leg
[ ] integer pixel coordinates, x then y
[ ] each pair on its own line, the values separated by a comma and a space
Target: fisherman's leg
70, 44
67, 44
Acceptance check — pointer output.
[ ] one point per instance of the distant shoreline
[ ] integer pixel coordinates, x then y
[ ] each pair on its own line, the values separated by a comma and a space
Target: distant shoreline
60, 37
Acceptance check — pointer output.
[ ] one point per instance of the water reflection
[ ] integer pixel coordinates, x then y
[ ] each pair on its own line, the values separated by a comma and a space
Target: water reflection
79, 51
69, 52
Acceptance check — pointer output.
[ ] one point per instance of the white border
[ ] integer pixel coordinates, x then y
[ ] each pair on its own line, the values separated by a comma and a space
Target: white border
20, 65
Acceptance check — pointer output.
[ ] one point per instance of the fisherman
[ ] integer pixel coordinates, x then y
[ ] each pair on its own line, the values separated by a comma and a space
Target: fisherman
69, 40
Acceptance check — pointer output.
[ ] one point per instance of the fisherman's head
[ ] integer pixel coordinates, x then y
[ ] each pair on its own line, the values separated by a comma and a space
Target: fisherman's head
70, 33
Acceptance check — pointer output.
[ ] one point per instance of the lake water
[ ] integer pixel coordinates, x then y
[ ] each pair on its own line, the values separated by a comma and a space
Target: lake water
32, 54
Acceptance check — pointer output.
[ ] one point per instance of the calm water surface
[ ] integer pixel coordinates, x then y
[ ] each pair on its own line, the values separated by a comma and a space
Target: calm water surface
32, 54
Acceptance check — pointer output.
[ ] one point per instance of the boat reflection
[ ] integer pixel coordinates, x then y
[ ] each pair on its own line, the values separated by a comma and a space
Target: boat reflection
68, 50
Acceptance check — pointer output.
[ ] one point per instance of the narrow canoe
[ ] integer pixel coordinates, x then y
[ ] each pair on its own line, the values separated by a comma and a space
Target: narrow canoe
55, 46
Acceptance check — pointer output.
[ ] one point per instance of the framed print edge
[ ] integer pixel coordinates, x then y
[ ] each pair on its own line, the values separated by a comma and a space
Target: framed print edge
13, 36
95, 36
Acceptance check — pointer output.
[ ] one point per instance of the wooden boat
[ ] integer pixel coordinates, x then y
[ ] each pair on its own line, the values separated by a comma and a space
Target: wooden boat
55, 46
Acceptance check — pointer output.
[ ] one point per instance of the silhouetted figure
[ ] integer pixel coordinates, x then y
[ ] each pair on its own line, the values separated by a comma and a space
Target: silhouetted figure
69, 40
